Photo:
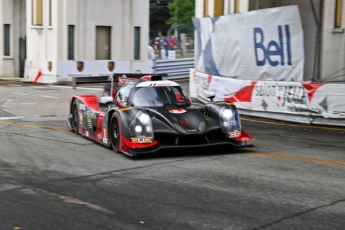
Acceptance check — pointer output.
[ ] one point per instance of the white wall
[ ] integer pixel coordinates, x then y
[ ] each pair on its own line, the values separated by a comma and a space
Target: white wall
11, 12
199, 8
51, 43
7, 65
1, 39
333, 44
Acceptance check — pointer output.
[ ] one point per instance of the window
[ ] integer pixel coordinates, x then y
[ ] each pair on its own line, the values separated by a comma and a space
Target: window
218, 7
70, 42
253, 5
50, 12
7, 40
338, 12
205, 8
37, 12
136, 43
236, 6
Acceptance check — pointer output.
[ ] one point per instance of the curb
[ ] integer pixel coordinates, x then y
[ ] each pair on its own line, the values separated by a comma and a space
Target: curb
21, 80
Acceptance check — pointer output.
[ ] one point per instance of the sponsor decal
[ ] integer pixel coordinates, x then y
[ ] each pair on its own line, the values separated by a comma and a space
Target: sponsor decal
49, 66
82, 106
93, 115
80, 66
141, 139
234, 134
105, 136
87, 133
88, 116
99, 136
177, 111
273, 48
339, 113
161, 84
80, 118
111, 66
184, 122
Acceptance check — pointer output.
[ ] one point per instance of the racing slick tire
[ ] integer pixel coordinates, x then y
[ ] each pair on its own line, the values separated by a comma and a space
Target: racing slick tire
115, 137
75, 117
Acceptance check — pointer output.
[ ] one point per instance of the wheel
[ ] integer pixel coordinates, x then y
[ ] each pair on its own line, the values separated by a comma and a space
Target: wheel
115, 133
75, 118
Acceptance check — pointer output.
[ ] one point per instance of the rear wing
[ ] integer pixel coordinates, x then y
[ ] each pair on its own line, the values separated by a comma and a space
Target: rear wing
118, 79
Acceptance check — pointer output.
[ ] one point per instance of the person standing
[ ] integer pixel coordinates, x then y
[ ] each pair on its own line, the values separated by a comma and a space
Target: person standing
172, 42
152, 57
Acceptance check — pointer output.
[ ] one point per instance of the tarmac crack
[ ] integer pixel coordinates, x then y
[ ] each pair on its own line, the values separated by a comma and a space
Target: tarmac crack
68, 199
298, 214
109, 173
42, 138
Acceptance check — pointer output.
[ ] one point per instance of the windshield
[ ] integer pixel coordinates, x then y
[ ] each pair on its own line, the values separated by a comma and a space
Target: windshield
159, 96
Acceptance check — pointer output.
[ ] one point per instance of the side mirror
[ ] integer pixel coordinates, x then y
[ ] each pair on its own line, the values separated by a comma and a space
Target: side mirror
106, 100
208, 94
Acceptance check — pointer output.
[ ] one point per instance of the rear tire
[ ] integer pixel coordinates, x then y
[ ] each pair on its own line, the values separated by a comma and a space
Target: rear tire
75, 118
115, 137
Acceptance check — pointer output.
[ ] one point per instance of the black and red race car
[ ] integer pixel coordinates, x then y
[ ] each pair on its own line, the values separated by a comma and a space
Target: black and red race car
149, 114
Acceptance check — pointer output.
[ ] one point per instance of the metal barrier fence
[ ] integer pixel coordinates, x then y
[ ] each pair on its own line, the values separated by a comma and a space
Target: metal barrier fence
174, 69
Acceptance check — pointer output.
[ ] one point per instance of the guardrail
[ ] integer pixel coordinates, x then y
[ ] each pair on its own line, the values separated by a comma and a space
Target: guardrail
174, 69
307, 119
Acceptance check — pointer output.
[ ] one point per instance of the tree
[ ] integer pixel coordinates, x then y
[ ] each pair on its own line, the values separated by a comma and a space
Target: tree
181, 11
159, 14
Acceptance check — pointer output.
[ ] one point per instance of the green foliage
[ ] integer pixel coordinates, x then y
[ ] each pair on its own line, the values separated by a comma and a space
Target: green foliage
158, 16
181, 11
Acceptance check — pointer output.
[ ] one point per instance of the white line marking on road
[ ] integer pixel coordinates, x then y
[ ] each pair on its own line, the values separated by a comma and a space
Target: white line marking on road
51, 97
24, 94
14, 85
10, 118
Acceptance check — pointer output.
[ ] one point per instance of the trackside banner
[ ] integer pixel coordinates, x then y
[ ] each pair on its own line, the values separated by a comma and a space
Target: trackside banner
300, 98
257, 45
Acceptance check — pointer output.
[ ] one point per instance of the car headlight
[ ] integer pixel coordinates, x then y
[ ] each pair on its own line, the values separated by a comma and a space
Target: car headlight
230, 122
140, 128
227, 113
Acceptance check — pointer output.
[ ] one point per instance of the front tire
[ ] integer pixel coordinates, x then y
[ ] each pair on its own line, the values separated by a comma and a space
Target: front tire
75, 117
115, 137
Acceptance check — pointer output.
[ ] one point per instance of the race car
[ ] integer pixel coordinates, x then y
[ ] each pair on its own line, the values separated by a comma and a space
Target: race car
149, 115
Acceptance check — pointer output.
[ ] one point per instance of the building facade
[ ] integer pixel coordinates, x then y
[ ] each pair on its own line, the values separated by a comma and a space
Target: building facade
12, 36
72, 31
323, 25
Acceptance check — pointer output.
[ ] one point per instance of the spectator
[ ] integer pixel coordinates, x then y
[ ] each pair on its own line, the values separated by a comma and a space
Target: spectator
172, 42
161, 48
152, 56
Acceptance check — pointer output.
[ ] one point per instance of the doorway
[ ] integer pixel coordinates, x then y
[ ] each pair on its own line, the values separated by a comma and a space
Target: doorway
103, 45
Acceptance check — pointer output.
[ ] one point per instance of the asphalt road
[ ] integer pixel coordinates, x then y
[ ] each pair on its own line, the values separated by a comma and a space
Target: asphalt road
51, 178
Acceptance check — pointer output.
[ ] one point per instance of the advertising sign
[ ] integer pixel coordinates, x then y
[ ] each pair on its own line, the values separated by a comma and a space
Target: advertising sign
263, 45
300, 98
